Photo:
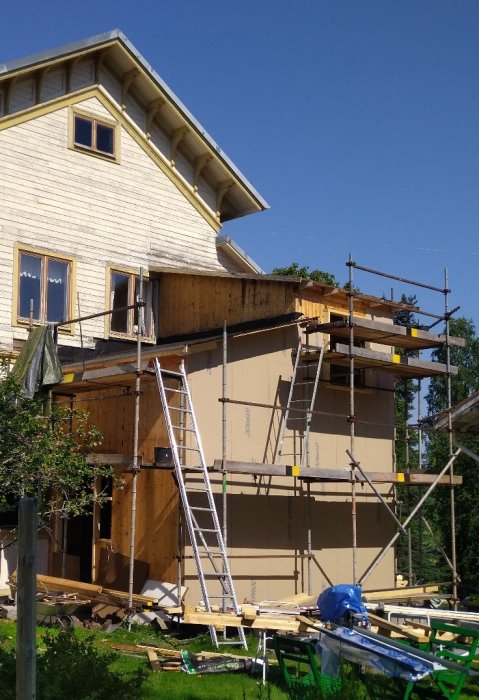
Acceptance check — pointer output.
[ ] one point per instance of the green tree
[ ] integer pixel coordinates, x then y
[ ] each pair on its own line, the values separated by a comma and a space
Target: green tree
406, 449
467, 495
45, 455
294, 270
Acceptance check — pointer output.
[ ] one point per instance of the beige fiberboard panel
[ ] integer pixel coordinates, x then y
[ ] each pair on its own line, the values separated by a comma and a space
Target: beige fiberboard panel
267, 518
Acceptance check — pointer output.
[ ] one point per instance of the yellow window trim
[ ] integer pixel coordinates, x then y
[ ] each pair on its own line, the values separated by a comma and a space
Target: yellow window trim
21, 248
130, 127
126, 271
74, 111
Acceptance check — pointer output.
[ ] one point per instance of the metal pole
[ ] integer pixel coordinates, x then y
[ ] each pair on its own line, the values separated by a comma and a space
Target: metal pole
409, 537
352, 418
224, 437
26, 599
399, 279
411, 515
136, 423
376, 491
419, 459
436, 542
449, 430
309, 536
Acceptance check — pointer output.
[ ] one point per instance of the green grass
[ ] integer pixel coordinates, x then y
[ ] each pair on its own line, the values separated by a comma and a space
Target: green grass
241, 686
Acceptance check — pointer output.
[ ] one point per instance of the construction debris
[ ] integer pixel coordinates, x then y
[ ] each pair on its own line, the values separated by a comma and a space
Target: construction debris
87, 591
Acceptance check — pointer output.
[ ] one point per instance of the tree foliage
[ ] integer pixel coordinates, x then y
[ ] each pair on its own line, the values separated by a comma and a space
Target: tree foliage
44, 455
294, 270
467, 495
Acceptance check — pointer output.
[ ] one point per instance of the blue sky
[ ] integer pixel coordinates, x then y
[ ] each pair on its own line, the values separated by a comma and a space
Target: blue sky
357, 120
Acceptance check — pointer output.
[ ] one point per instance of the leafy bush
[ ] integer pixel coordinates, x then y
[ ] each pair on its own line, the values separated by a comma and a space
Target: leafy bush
42, 453
74, 668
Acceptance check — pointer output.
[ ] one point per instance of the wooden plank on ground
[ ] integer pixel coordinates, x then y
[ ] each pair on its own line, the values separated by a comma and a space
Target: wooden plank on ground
386, 627
153, 659
407, 592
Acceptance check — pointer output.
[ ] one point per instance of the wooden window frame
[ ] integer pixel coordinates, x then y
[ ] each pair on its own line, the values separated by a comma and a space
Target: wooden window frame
45, 255
93, 150
129, 334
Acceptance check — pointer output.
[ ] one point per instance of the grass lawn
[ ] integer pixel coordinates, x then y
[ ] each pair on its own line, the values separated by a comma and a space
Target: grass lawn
182, 686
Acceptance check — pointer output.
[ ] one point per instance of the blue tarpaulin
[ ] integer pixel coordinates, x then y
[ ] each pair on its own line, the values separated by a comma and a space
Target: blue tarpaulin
338, 603
365, 649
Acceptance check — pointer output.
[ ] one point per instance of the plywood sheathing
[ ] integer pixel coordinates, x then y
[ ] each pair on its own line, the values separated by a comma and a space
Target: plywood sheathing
157, 494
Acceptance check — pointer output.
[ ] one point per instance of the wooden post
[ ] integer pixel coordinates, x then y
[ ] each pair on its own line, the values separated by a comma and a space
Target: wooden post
26, 599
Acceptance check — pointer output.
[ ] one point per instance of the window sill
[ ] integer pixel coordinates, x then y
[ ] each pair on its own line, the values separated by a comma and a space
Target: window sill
63, 330
130, 339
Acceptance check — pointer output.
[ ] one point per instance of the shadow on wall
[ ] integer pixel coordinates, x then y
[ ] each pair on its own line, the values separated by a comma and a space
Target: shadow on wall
280, 522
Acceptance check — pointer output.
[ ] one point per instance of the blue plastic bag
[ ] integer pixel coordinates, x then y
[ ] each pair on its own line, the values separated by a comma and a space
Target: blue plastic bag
342, 605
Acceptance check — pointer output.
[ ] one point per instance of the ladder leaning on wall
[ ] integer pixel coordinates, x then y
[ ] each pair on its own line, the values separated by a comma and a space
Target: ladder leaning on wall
197, 496
298, 414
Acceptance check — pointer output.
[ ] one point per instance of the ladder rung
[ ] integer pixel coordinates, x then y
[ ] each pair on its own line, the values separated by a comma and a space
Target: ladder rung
176, 391
201, 508
170, 373
204, 529
182, 427
184, 447
180, 410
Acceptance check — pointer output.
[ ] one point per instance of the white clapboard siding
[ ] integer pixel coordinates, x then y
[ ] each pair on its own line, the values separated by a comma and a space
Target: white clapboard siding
102, 213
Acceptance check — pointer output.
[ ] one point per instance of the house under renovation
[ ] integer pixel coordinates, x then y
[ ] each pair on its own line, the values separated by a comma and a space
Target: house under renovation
274, 396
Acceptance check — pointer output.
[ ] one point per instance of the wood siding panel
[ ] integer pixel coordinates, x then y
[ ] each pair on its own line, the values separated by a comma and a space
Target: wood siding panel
157, 494
193, 303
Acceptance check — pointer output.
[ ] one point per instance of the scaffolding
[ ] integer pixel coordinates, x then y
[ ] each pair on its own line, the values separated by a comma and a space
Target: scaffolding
353, 328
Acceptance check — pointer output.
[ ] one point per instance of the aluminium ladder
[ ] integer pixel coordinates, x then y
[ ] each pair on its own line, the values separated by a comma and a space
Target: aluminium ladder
298, 413
197, 496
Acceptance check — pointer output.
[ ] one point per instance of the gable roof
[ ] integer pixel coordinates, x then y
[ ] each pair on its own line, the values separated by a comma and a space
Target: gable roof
235, 196
464, 416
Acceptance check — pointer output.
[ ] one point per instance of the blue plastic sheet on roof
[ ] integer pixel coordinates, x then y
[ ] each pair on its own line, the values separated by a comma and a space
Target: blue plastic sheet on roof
338, 603
341, 643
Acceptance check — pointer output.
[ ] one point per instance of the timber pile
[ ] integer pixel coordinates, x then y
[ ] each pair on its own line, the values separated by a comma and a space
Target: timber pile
168, 659
250, 618
87, 591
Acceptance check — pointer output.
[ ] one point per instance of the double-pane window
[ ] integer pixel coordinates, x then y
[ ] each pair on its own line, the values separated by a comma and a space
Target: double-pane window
43, 288
125, 290
94, 135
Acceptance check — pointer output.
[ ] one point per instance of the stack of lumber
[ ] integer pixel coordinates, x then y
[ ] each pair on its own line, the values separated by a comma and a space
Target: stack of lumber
250, 618
165, 659
87, 591
404, 612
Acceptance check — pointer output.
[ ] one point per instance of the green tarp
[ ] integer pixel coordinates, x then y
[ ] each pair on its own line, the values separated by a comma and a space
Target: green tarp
38, 366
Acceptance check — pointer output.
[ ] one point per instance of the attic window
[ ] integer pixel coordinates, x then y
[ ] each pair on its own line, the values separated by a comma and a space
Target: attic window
94, 135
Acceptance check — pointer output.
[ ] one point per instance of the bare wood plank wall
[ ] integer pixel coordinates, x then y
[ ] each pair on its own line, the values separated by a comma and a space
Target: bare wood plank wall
196, 303
157, 494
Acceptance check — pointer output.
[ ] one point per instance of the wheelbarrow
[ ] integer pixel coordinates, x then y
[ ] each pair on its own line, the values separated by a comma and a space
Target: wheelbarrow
58, 609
